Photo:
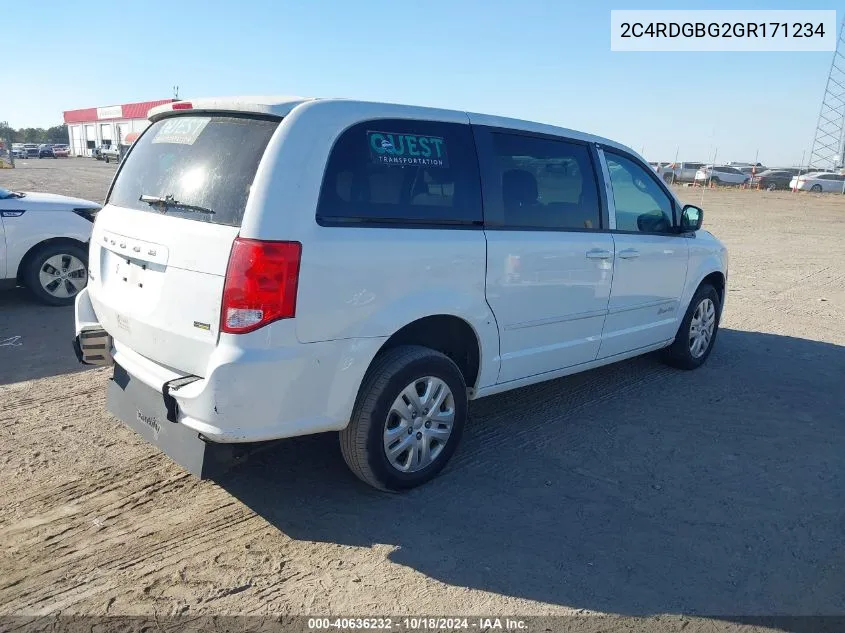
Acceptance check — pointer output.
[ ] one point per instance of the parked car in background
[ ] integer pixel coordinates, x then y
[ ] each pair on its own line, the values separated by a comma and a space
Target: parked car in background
818, 181
254, 295
110, 153
18, 150
31, 149
772, 179
739, 165
721, 174
61, 151
44, 243
751, 170
680, 172
97, 152
45, 151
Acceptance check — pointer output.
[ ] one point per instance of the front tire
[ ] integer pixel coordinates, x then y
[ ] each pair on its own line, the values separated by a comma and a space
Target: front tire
56, 273
408, 419
697, 332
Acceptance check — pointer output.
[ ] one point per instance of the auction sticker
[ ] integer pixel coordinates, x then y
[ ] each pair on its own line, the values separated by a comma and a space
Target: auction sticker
182, 130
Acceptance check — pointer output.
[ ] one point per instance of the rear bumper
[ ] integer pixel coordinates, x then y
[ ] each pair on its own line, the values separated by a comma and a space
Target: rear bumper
144, 411
249, 393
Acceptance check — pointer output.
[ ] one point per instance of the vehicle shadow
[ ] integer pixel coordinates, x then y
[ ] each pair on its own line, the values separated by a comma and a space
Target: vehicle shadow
35, 340
632, 489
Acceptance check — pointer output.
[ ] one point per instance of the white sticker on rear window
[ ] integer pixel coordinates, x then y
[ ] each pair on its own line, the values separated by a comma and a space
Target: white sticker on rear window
181, 129
407, 149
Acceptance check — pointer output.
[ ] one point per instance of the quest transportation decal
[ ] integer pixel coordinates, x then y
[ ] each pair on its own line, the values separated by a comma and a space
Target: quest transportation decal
387, 148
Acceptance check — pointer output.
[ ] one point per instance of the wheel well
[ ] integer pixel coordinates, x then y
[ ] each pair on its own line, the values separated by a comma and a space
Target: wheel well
717, 280
449, 335
52, 241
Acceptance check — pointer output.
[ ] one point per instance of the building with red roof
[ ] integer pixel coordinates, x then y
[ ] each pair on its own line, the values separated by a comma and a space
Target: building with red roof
108, 125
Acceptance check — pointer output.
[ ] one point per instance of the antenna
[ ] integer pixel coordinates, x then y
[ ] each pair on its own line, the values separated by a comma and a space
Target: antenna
828, 141
176, 92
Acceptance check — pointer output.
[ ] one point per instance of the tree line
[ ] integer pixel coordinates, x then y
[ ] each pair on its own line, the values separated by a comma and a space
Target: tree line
55, 134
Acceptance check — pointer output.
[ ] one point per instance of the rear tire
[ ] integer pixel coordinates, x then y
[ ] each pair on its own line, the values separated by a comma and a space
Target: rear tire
684, 353
816, 188
50, 288
771, 187
106, 159
377, 424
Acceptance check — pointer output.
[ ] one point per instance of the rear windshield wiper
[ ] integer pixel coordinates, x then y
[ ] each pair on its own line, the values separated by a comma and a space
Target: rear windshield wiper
169, 201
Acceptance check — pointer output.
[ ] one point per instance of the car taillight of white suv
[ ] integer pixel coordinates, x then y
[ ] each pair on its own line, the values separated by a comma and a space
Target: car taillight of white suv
260, 285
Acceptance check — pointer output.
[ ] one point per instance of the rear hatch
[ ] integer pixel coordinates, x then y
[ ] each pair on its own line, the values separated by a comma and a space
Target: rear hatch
161, 244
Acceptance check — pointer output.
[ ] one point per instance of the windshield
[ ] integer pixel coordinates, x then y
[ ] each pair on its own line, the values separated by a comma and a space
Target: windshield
203, 162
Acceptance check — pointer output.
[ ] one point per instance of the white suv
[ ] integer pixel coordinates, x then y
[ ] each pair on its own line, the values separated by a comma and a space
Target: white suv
271, 267
44, 244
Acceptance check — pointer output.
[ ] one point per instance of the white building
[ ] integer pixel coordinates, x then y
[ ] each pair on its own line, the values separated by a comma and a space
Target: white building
110, 125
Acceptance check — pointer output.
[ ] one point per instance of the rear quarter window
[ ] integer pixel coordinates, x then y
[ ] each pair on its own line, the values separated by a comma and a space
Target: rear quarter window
402, 172
203, 161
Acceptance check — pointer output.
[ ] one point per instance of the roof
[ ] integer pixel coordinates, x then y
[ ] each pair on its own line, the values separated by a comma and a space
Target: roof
273, 105
139, 110
282, 105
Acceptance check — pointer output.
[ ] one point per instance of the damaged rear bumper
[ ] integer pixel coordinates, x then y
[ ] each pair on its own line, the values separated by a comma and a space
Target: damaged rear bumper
146, 411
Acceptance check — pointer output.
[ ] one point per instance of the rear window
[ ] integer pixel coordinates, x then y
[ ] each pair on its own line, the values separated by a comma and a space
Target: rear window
205, 163
402, 172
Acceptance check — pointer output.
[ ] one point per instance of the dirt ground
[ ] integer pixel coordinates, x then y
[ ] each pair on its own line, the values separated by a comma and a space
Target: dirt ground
633, 489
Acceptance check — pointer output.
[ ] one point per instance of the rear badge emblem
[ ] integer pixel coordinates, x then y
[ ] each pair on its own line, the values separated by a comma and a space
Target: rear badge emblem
202, 326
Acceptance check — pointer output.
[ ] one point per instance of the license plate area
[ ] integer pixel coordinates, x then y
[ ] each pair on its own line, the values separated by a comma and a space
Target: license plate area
130, 272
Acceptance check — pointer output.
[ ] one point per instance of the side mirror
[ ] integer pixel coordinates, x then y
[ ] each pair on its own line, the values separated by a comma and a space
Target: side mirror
691, 218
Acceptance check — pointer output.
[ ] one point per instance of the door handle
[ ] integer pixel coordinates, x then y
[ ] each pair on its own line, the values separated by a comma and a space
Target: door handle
598, 253
629, 253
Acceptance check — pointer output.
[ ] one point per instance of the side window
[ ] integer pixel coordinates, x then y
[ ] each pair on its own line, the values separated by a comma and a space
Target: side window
402, 171
641, 205
541, 183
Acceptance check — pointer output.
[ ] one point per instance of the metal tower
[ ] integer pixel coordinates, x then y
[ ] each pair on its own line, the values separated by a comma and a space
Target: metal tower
829, 141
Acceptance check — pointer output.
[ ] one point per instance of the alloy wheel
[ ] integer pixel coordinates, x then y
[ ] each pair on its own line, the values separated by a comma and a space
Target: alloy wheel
62, 276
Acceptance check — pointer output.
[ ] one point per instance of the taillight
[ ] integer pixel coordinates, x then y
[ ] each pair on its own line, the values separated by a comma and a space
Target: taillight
260, 284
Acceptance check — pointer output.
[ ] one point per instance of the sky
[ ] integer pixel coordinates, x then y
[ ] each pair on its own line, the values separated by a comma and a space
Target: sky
542, 60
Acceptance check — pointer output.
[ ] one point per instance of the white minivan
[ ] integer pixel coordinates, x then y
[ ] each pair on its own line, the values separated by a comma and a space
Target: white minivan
272, 267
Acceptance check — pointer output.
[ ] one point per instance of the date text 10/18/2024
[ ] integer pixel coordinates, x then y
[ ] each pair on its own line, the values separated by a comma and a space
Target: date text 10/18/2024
418, 624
